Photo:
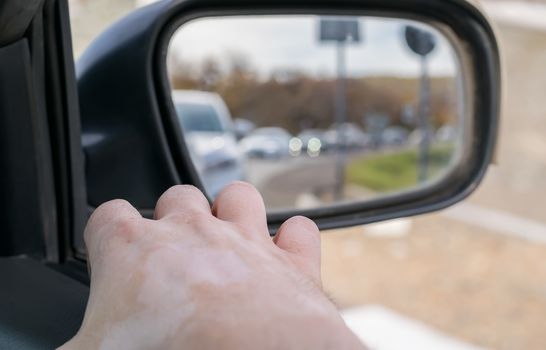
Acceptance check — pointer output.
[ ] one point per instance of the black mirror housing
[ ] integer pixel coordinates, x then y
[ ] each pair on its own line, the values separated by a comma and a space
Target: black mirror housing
133, 150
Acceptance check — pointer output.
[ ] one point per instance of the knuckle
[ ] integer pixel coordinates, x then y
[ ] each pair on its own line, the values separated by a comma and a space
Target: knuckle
104, 212
107, 208
122, 229
188, 217
176, 196
179, 219
125, 226
237, 187
114, 204
114, 235
241, 185
176, 190
303, 222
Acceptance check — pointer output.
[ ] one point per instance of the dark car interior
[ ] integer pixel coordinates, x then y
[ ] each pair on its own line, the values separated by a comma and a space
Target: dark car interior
42, 176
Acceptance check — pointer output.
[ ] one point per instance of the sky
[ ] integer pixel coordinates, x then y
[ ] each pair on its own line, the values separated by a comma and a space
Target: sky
273, 43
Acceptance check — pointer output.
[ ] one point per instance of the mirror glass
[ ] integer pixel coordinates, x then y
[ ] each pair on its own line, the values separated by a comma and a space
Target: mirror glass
317, 110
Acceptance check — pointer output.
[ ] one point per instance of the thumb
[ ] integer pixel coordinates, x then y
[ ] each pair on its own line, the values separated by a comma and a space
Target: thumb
300, 238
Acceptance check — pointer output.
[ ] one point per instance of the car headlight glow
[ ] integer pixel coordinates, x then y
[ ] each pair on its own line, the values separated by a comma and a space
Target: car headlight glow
294, 146
313, 147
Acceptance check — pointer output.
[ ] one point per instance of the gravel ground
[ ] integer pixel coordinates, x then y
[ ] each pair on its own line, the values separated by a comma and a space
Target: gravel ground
479, 286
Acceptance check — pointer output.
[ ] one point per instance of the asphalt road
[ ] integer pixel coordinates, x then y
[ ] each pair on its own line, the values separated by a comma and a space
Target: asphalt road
303, 181
283, 182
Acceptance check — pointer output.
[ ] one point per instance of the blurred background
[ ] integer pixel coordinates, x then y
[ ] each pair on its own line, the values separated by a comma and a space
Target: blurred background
317, 110
472, 276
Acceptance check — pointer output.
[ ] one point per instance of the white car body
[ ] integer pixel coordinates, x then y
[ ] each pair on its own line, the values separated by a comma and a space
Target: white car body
208, 130
267, 143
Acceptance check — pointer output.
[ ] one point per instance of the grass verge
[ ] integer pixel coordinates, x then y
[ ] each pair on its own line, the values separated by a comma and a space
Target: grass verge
395, 171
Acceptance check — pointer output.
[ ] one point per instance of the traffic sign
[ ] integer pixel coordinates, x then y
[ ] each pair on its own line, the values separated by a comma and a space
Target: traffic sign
419, 41
338, 29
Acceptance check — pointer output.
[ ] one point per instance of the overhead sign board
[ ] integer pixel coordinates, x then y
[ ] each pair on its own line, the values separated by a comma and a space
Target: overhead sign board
340, 30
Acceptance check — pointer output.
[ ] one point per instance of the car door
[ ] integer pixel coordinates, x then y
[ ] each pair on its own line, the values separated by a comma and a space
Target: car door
41, 185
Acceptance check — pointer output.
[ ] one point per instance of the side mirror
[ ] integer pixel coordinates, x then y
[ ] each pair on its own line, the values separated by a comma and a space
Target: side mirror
356, 111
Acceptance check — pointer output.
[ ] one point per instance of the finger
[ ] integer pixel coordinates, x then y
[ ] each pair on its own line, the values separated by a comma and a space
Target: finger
242, 204
109, 212
181, 200
112, 214
300, 237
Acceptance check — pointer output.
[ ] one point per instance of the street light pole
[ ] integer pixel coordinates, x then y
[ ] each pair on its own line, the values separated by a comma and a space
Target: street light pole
424, 111
340, 31
340, 106
422, 43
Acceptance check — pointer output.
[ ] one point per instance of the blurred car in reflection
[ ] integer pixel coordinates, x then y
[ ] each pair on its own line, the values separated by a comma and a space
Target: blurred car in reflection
208, 130
243, 127
267, 143
446, 133
416, 136
347, 136
394, 136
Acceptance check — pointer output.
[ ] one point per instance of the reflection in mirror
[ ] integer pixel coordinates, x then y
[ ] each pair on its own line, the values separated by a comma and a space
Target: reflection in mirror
317, 110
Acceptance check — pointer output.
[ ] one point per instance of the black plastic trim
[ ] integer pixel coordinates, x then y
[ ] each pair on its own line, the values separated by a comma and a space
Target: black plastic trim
64, 121
15, 18
40, 308
145, 34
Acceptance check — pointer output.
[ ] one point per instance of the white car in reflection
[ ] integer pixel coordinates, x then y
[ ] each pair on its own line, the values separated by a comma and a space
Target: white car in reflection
208, 131
351, 137
446, 133
417, 136
267, 143
394, 136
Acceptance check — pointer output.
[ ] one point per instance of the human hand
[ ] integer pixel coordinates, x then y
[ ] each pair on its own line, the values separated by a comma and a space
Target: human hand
205, 279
